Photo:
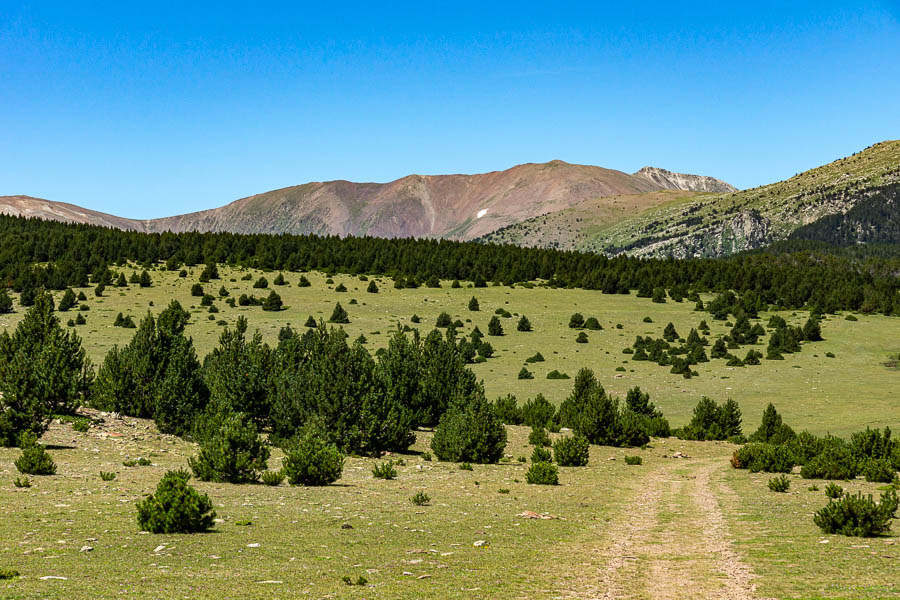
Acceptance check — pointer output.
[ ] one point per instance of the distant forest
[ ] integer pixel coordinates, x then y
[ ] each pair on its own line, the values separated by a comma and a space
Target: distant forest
874, 220
35, 253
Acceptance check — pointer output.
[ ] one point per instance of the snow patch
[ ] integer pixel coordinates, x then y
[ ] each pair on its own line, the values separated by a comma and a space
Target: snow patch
481, 213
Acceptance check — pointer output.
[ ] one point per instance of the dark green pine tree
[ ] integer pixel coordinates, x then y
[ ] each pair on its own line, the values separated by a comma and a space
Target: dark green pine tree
43, 371
494, 326
339, 315
67, 301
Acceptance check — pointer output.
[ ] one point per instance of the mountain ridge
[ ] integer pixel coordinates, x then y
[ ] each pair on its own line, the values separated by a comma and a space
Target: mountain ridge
457, 206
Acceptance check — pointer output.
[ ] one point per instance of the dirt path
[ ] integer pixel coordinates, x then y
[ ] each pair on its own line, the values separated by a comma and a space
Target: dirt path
671, 541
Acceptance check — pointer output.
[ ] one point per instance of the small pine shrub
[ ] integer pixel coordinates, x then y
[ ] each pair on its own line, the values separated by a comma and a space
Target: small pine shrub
312, 461
420, 499
8, 574
857, 515
230, 449
540, 454
107, 475
538, 357
582, 338
144, 462
35, 460
780, 483
538, 412
22, 482
633, 460
273, 478
503, 491
426, 456
554, 374
879, 470
465, 466
384, 470
175, 507
525, 374
542, 473
572, 451
833, 490
539, 437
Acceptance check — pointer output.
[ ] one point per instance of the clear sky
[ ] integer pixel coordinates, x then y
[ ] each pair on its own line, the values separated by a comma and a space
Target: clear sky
152, 109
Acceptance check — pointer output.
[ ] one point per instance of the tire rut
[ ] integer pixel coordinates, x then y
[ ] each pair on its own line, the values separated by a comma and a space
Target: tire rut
671, 541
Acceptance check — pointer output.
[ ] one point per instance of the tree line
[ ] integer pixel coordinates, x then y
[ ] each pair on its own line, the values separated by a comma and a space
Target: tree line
36, 253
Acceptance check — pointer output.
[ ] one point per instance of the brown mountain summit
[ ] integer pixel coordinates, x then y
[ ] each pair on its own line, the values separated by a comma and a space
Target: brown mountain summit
442, 206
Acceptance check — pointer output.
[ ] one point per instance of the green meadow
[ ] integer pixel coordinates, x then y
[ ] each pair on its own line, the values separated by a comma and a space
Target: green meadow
681, 523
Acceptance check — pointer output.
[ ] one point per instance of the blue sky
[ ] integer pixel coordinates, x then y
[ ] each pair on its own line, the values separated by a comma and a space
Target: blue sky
147, 111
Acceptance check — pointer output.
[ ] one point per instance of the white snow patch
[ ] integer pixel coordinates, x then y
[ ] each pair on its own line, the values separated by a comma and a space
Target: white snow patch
481, 213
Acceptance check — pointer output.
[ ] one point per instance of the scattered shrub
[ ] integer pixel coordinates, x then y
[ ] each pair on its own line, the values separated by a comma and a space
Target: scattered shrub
8, 574
538, 437
230, 449
633, 460
384, 470
339, 315
22, 482
107, 475
779, 484
879, 470
538, 357
525, 374
763, 457
571, 451
310, 460
540, 454
582, 338
542, 473
273, 478
576, 321
524, 324
507, 410
420, 499
538, 412
857, 515
175, 507
554, 374
35, 460
833, 490
470, 431
464, 466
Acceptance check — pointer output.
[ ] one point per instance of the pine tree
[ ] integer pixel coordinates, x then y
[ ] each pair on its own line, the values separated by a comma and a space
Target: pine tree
272, 302
473, 304
43, 370
494, 326
6, 303
67, 301
372, 288
524, 324
145, 280
339, 315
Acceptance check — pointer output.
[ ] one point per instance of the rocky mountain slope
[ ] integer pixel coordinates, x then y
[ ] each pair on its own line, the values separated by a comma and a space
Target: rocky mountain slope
668, 180
26, 206
718, 224
442, 206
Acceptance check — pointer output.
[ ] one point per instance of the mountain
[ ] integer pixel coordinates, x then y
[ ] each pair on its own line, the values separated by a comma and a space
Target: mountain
26, 206
668, 180
851, 200
459, 207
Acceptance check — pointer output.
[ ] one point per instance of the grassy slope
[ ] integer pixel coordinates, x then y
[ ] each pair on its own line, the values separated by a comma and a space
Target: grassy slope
60, 514
692, 225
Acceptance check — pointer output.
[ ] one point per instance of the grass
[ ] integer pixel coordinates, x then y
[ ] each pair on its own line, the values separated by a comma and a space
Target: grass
808, 388
310, 538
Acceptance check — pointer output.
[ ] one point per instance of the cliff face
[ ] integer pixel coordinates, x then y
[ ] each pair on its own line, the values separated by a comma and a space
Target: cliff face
680, 181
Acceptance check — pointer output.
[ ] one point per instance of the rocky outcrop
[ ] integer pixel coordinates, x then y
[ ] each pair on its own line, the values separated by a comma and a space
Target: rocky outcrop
681, 181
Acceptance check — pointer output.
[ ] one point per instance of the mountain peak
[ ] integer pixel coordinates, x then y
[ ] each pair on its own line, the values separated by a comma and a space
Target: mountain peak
683, 181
